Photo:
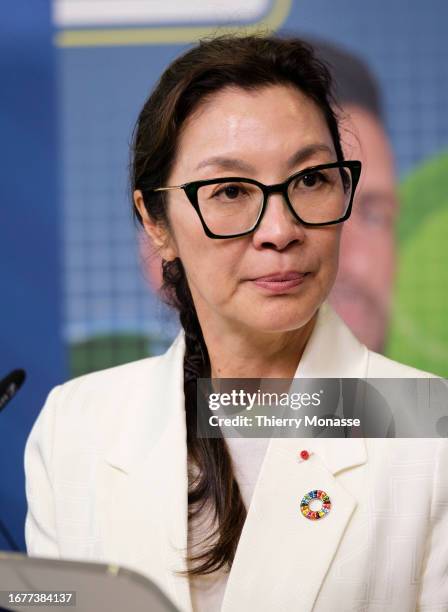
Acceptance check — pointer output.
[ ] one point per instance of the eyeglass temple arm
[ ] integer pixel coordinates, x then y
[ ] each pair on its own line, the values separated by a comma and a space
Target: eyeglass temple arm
168, 188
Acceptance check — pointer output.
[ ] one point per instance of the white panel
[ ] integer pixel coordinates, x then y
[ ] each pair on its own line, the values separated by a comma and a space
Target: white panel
69, 13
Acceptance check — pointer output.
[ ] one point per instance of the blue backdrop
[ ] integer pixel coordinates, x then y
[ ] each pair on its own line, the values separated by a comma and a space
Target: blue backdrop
30, 249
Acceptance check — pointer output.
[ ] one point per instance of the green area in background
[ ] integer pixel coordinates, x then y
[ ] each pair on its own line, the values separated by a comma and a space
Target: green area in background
419, 331
105, 351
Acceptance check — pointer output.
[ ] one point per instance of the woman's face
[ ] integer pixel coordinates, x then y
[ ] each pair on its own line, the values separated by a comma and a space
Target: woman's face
254, 135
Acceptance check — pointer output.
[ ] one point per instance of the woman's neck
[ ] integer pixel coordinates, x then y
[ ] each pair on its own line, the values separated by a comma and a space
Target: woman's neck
234, 355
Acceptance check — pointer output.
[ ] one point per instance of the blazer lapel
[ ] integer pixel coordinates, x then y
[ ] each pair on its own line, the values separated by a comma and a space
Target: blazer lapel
282, 557
332, 351
144, 481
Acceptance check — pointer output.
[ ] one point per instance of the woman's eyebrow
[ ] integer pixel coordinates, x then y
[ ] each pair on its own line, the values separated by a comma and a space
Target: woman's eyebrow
231, 163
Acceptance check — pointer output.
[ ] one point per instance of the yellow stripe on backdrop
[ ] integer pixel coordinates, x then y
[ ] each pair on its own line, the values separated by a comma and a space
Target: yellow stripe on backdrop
108, 37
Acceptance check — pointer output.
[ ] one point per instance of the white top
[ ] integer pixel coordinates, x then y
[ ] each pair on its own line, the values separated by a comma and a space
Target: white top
207, 591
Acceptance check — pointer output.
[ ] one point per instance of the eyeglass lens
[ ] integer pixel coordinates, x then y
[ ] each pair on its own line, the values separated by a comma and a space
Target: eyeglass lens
318, 196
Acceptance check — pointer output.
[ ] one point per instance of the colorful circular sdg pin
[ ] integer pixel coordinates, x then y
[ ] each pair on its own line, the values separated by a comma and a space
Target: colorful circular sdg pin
315, 515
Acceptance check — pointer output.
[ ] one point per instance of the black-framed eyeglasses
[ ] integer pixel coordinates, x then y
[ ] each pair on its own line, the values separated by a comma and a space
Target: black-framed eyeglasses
233, 206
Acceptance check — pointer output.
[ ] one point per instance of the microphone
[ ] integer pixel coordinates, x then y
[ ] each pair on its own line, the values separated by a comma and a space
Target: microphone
8, 388
10, 385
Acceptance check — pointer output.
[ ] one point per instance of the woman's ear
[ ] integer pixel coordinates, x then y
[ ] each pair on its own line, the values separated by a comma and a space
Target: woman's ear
156, 230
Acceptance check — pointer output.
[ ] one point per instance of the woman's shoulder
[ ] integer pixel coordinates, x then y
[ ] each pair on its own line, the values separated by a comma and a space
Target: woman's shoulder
380, 366
116, 394
92, 410
95, 402
109, 378
100, 394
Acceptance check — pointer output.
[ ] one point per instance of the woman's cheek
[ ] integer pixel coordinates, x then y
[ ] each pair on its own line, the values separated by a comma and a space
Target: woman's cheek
328, 257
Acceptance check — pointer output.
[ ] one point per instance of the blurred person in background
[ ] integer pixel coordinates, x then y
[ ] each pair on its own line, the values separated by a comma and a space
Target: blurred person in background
362, 294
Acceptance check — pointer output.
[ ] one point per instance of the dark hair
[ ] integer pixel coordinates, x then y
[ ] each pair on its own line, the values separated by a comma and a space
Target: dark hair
249, 62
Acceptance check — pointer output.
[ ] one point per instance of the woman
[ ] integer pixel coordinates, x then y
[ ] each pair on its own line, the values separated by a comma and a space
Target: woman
239, 179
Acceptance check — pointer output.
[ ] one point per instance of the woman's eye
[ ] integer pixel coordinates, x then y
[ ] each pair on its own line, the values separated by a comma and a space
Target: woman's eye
229, 191
311, 180
232, 191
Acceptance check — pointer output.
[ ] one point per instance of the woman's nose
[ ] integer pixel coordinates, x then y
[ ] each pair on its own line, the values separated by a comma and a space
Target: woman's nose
278, 227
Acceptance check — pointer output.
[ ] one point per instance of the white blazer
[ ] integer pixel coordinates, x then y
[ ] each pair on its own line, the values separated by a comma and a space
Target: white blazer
106, 480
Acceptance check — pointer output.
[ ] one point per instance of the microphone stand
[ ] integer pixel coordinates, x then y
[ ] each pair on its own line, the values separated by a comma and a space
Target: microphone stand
8, 537
8, 388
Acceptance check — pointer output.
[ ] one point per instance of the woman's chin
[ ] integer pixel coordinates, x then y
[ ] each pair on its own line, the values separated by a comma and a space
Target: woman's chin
280, 314
278, 323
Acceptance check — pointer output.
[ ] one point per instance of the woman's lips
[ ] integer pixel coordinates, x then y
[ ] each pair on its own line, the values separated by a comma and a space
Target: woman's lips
280, 285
